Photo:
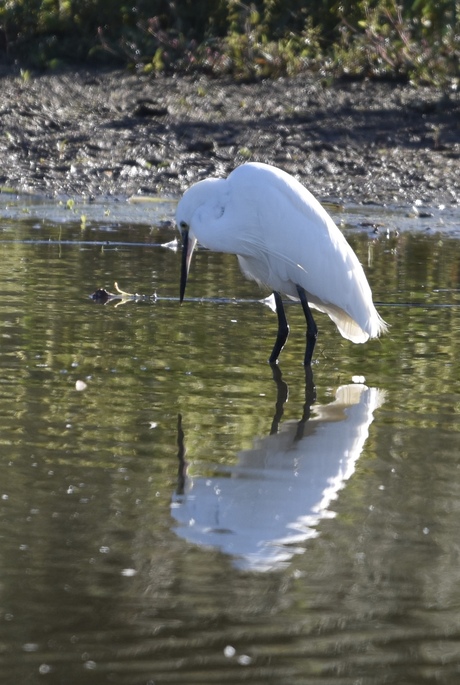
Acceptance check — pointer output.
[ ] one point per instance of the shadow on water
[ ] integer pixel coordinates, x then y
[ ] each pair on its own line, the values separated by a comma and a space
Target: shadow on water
260, 509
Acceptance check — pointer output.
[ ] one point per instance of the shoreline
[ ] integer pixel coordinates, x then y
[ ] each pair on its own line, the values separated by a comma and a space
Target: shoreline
103, 133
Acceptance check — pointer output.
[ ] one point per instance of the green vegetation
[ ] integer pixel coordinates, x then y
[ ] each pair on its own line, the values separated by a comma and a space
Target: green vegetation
417, 39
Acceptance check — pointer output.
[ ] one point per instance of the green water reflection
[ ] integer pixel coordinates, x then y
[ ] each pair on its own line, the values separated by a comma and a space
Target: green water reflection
99, 584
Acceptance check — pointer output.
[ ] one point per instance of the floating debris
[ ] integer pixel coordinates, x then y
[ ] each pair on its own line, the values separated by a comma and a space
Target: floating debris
103, 296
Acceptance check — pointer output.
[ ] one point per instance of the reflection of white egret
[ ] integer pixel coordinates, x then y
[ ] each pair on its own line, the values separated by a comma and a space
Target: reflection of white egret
284, 239
261, 509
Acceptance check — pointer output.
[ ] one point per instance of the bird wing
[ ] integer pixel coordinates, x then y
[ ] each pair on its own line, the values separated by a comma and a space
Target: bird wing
286, 239
260, 271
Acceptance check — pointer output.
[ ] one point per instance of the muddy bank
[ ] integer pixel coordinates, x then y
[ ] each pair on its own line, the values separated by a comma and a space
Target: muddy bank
110, 133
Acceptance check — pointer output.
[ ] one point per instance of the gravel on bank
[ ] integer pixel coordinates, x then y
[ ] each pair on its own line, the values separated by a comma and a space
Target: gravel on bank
111, 133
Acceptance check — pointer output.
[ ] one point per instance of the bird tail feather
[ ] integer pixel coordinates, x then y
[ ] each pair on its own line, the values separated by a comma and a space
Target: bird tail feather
351, 330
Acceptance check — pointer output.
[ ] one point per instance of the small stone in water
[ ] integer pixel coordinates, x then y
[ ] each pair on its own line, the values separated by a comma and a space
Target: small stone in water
244, 660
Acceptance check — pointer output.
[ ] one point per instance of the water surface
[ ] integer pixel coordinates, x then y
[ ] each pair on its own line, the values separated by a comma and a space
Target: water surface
192, 517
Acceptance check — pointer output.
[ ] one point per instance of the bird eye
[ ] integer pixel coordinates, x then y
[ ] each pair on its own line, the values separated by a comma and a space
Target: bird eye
183, 225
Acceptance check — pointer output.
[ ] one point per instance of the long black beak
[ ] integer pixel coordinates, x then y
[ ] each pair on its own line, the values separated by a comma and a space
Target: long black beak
188, 245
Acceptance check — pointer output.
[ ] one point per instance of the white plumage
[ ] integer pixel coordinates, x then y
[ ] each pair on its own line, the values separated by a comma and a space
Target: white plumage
284, 239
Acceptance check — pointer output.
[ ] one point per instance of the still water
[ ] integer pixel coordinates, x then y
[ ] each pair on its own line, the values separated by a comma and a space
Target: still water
173, 511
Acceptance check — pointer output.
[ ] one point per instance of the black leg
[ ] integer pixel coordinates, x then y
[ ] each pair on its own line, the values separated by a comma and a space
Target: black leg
283, 329
182, 470
310, 399
281, 397
312, 330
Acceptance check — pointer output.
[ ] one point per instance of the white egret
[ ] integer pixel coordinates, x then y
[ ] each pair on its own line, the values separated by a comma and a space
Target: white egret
284, 239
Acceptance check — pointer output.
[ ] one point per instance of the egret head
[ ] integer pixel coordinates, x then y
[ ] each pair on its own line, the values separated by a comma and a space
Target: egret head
196, 209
